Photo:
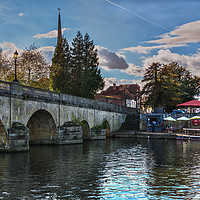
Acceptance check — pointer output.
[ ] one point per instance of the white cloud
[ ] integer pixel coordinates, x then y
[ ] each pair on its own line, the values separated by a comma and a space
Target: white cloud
10, 45
181, 36
109, 82
51, 34
21, 14
121, 54
109, 60
47, 48
9, 49
191, 62
187, 33
145, 50
134, 70
48, 52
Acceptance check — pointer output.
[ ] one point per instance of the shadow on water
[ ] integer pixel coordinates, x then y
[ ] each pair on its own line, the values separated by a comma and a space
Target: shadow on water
112, 168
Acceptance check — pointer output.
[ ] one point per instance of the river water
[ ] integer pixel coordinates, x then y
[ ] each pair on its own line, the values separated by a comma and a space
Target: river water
107, 169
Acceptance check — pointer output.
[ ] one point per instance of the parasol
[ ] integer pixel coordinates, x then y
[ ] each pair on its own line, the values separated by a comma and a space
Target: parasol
195, 117
183, 119
170, 119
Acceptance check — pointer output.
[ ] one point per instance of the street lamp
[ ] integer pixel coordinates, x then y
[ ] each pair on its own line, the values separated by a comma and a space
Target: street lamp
15, 56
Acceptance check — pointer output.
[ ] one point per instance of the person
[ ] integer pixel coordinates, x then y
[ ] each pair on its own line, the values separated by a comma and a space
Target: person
153, 126
180, 128
163, 127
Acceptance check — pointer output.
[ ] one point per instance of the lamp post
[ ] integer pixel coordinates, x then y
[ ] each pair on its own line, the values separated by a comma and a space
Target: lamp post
15, 56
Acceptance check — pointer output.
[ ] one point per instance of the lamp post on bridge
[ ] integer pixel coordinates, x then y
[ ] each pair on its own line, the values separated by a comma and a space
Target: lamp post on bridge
15, 56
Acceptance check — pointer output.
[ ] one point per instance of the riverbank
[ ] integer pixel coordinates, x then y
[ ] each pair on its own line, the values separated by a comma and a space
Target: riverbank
145, 135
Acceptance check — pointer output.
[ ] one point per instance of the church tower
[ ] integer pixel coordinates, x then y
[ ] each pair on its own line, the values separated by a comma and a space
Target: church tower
59, 36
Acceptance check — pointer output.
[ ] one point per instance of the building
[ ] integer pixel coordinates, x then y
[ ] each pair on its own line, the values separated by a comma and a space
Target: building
124, 95
59, 36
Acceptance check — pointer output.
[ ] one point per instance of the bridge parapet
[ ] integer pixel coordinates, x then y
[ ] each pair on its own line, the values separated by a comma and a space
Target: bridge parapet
16, 90
4, 86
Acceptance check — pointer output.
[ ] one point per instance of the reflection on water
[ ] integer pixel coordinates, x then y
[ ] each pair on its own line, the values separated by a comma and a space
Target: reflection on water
107, 169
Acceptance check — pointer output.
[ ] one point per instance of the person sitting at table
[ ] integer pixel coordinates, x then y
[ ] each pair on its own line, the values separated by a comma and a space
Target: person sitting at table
180, 128
164, 128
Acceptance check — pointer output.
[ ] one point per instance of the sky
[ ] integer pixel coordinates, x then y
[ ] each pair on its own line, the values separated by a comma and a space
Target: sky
129, 34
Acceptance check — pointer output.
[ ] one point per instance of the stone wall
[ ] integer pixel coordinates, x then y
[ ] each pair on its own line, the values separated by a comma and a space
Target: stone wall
69, 133
19, 102
29, 93
42, 110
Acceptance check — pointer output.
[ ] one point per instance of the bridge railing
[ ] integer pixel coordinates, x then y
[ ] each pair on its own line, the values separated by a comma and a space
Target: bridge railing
24, 92
4, 86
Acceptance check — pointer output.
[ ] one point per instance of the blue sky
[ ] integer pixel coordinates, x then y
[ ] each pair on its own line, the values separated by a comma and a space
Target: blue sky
129, 34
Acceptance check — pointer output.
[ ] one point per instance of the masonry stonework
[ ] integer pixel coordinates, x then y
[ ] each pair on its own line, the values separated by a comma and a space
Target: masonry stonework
45, 114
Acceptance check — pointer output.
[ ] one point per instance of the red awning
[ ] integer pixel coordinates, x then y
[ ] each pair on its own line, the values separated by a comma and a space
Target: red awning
193, 103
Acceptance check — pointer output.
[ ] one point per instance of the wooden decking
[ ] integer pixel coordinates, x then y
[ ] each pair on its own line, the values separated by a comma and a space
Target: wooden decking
145, 135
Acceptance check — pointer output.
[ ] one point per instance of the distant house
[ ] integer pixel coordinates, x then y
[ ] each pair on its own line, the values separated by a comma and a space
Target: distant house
124, 95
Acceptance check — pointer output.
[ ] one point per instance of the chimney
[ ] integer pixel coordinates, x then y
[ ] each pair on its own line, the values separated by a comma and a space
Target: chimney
114, 86
121, 87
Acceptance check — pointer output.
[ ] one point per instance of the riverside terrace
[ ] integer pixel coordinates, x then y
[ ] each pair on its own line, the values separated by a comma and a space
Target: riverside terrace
34, 115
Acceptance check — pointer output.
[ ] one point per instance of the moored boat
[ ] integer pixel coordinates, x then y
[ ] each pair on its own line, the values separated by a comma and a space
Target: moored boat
189, 134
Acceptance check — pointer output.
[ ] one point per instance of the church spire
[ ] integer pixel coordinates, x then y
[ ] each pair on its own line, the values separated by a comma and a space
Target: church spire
59, 36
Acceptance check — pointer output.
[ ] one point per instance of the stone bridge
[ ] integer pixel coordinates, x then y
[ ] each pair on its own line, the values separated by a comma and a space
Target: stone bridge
32, 115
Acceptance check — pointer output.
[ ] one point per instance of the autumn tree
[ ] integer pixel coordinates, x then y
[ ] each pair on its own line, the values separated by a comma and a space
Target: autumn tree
4, 66
168, 85
32, 66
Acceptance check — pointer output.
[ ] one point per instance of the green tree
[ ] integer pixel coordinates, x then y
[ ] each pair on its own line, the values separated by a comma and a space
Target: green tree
60, 70
87, 79
77, 60
190, 86
152, 89
75, 71
92, 79
168, 85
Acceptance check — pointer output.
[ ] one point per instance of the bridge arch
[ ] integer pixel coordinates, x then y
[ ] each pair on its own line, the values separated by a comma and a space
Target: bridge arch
86, 129
3, 137
42, 128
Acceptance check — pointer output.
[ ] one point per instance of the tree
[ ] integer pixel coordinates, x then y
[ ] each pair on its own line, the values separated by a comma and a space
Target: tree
32, 66
75, 71
4, 66
87, 79
60, 70
169, 85
93, 80
152, 89
190, 86
77, 61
